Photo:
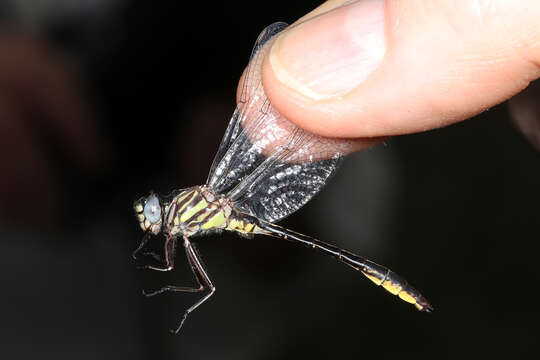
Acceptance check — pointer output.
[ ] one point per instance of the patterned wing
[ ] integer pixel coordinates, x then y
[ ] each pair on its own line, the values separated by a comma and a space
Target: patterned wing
237, 156
268, 166
286, 181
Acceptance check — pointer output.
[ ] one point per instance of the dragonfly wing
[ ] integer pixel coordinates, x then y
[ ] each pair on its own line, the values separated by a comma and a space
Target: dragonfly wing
266, 164
237, 156
288, 179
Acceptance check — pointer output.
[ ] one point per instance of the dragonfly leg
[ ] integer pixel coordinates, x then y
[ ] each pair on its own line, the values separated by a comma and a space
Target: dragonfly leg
201, 276
170, 245
144, 241
153, 255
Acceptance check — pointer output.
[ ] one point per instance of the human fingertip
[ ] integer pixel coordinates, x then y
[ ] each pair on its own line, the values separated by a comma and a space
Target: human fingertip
327, 56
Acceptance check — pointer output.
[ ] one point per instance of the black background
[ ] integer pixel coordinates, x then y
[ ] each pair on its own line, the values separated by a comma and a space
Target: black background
454, 210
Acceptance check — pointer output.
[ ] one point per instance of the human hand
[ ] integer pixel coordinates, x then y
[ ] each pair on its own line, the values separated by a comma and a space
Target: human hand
373, 68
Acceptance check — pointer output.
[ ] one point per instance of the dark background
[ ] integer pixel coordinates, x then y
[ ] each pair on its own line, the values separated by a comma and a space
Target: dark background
454, 210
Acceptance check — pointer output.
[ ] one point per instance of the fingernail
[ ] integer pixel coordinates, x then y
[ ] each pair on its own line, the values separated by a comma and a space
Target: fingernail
329, 55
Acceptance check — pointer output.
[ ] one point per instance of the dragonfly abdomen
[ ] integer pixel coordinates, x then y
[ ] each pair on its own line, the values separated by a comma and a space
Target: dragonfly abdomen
389, 280
380, 275
243, 225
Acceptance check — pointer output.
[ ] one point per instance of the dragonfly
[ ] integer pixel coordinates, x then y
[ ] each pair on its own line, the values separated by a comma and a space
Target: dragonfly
265, 169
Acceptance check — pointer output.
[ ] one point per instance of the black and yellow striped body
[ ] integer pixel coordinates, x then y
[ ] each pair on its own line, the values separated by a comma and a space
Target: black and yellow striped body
199, 209
394, 284
265, 169
380, 275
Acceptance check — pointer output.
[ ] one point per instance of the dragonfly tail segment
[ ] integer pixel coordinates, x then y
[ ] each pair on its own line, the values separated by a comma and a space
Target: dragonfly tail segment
380, 275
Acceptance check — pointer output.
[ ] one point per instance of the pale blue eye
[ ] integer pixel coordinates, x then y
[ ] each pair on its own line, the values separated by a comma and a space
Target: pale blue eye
152, 209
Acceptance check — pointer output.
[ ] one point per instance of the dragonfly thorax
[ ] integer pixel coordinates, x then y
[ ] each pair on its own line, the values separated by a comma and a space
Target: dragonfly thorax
196, 210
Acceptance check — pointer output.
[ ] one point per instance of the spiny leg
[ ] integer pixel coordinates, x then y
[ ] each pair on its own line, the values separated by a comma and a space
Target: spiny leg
170, 249
170, 262
196, 261
380, 275
201, 275
144, 241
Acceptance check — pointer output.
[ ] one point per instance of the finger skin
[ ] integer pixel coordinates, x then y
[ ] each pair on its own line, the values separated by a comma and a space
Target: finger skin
348, 145
445, 61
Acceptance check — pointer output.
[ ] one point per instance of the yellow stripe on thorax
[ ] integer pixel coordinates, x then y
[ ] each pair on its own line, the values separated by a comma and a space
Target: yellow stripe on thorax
186, 215
191, 195
202, 217
217, 221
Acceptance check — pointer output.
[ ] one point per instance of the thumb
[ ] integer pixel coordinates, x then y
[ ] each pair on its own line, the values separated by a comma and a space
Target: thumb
377, 68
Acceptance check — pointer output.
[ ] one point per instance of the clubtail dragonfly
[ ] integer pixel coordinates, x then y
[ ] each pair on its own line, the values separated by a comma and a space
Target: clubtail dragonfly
265, 169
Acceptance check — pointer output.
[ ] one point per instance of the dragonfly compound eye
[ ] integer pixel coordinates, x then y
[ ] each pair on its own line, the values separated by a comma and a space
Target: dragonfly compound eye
152, 209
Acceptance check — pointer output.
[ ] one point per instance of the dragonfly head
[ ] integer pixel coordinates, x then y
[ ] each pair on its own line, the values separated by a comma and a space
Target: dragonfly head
149, 212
